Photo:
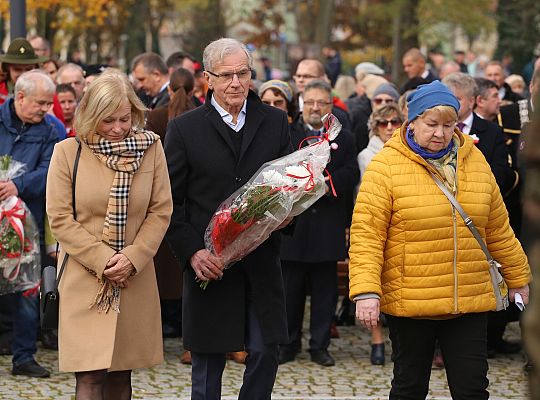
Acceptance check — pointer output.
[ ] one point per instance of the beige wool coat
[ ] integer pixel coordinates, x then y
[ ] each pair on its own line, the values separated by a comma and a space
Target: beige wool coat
89, 340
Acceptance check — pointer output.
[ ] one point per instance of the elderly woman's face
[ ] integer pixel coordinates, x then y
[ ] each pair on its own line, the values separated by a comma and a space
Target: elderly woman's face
230, 80
432, 132
387, 125
116, 126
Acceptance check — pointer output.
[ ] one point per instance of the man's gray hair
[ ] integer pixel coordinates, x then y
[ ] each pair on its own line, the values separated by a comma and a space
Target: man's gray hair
319, 84
216, 52
28, 82
461, 81
67, 67
151, 62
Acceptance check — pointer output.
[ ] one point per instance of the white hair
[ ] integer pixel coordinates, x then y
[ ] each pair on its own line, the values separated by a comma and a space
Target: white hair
67, 67
28, 82
217, 50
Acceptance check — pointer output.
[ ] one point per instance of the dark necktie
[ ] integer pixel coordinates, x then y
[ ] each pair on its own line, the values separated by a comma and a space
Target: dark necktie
460, 126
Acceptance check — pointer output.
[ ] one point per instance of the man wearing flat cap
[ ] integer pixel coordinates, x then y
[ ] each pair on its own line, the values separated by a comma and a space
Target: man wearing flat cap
19, 58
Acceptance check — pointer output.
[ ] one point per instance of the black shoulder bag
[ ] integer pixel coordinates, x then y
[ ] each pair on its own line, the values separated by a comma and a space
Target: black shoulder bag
48, 292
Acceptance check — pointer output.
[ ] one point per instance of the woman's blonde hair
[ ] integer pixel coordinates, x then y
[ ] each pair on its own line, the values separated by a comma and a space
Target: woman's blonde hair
444, 113
103, 98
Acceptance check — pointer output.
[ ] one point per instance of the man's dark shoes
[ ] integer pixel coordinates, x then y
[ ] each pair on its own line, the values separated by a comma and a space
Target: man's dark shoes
30, 368
5, 349
286, 355
322, 357
49, 339
503, 347
377, 354
169, 331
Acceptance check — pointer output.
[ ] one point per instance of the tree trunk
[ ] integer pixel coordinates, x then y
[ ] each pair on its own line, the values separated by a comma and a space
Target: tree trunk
404, 36
323, 23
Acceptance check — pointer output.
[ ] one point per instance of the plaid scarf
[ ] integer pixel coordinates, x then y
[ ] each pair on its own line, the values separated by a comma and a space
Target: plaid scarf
447, 164
124, 157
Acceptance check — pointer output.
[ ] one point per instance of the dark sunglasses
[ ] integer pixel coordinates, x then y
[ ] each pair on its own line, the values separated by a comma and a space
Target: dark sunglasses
385, 101
383, 123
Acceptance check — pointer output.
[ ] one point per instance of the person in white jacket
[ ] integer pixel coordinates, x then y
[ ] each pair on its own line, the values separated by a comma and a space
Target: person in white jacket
382, 124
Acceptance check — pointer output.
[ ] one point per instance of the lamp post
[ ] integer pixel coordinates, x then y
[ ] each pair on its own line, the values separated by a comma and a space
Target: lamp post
17, 10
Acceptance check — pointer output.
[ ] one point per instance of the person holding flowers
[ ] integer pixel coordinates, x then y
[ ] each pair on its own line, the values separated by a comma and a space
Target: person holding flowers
109, 316
28, 137
211, 152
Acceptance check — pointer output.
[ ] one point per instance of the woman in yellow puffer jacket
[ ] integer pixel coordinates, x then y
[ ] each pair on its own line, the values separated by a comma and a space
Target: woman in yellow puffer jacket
413, 258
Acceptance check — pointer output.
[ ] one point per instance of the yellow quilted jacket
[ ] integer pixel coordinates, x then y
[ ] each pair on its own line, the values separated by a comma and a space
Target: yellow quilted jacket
409, 245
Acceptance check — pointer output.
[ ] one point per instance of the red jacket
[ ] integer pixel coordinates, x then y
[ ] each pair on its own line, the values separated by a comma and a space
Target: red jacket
4, 93
339, 104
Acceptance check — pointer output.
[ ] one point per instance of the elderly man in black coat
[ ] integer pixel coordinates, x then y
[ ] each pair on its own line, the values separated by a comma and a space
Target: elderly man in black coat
211, 152
490, 140
310, 255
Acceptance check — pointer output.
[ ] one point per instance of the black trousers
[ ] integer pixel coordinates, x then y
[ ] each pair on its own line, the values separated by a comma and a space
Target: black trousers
463, 346
259, 375
320, 279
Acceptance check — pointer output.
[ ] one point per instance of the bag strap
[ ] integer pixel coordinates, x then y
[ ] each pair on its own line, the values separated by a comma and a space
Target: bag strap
73, 182
468, 221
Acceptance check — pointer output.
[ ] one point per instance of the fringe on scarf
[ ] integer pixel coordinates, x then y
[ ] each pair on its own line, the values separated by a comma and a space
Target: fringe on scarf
107, 297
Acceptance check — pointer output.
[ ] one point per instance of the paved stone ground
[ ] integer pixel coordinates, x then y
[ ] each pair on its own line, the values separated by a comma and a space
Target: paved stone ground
353, 377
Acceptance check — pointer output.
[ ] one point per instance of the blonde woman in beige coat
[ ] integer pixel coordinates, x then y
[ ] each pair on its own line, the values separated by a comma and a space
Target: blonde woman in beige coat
109, 320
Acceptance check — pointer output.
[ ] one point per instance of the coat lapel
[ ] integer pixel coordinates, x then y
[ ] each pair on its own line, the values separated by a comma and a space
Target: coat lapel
254, 117
219, 125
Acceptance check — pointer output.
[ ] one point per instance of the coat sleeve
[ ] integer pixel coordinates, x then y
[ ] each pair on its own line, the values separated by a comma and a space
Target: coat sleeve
31, 184
286, 146
150, 234
72, 236
503, 245
181, 235
369, 227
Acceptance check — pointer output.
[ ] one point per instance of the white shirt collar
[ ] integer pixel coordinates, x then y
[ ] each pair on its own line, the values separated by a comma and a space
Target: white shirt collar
320, 130
164, 87
502, 92
425, 74
228, 118
468, 123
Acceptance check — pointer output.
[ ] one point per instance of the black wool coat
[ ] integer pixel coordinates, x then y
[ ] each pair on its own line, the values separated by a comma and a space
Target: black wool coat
493, 146
491, 142
319, 232
204, 171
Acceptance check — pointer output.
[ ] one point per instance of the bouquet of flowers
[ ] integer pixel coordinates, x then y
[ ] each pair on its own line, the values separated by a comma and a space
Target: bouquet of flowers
19, 238
281, 188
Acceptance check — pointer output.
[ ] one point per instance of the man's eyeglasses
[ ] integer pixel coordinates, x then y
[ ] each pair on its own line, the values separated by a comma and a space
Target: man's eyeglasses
229, 76
305, 76
311, 103
383, 123
385, 101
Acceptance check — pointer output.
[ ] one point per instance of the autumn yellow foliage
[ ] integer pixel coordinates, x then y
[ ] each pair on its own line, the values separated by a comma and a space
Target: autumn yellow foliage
75, 13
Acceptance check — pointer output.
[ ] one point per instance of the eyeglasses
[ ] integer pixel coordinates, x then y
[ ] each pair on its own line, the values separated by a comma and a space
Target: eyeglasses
242, 75
383, 123
385, 101
274, 103
305, 76
321, 103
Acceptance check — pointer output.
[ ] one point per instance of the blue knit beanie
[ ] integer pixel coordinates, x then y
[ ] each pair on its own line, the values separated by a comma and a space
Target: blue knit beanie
428, 96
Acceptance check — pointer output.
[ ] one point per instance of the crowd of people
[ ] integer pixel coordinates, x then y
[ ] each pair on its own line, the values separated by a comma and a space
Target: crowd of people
155, 152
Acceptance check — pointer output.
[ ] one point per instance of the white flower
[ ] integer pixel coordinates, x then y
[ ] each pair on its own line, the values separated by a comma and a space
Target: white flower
274, 178
298, 172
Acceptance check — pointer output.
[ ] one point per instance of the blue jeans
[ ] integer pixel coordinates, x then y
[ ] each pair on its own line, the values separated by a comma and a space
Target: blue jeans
25, 327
